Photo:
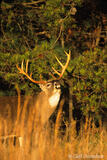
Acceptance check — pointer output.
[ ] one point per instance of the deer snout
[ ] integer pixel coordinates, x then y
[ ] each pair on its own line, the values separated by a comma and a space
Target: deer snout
57, 89
57, 86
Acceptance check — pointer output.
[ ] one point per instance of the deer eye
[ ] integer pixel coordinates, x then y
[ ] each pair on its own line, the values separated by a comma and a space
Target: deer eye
48, 85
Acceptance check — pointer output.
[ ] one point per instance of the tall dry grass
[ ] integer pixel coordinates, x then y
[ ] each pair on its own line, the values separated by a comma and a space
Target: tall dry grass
26, 139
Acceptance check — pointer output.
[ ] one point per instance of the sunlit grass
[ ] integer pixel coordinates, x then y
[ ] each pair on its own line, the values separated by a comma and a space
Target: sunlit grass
26, 139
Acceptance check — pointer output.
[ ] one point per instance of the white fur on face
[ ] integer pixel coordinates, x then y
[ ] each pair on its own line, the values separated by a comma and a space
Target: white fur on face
54, 99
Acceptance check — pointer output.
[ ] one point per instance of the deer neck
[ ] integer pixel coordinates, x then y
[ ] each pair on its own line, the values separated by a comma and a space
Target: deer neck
54, 99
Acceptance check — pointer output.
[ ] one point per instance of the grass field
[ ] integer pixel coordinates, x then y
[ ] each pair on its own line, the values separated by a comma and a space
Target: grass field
26, 139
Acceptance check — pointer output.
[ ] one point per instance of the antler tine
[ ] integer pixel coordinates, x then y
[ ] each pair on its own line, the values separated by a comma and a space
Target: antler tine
63, 66
22, 65
59, 62
60, 74
27, 62
21, 71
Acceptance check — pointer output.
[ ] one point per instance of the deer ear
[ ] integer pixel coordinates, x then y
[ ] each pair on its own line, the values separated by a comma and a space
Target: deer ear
42, 87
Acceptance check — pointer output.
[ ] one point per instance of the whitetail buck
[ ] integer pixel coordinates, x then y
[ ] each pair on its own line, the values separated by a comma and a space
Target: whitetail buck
47, 100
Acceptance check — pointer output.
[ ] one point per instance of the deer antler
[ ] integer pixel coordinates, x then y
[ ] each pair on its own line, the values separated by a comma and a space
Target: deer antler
63, 66
21, 71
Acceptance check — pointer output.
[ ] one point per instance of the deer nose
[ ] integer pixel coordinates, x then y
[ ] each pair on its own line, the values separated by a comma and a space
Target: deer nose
57, 86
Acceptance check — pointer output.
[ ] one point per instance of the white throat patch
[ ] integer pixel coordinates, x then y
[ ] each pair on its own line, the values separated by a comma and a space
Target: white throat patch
53, 100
